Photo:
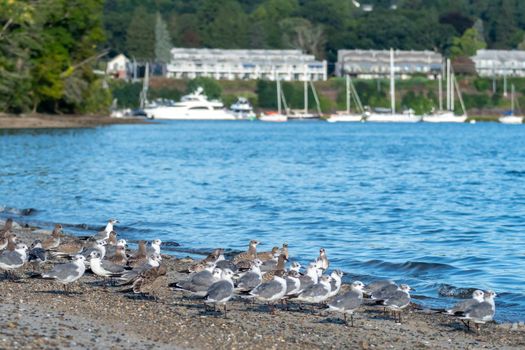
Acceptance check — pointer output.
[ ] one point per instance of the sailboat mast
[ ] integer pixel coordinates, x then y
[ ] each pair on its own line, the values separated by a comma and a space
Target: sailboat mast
440, 87
347, 94
278, 95
145, 85
512, 99
392, 83
452, 102
448, 84
305, 90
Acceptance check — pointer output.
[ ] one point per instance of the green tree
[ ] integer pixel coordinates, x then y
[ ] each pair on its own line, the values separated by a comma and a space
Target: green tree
467, 44
163, 44
211, 87
140, 37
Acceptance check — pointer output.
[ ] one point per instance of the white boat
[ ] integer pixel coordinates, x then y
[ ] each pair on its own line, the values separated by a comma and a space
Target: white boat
273, 117
392, 117
305, 114
405, 117
278, 116
194, 106
448, 115
511, 119
348, 116
242, 109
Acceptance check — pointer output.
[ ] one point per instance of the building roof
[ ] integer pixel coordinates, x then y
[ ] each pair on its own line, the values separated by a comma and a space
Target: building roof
383, 56
499, 55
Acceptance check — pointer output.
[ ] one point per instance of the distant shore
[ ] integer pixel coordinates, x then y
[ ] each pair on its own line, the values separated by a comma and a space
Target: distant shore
36, 314
48, 121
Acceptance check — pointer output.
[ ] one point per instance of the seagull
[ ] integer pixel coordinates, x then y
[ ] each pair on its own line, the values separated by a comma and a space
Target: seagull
67, 249
376, 286
349, 302
112, 239
8, 242
8, 225
149, 281
140, 256
53, 241
199, 282
385, 292
398, 300
293, 283
316, 293
213, 257
271, 291
119, 257
295, 266
111, 249
131, 275
335, 283
99, 247
284, 250
221, 291
251, 254
459, 308
11, 260
310, 278
481, 312
104, 234
104, 268
67, 273
37, 255
154, 248
281, 261
322, 260
250, 279
268, 255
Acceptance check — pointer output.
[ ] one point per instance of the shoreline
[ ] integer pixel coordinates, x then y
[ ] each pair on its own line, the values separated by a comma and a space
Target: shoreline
36, 314
48, 121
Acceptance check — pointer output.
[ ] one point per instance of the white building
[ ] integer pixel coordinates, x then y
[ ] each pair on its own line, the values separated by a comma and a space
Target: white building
372, 64
220, 64
491, 63
119, 67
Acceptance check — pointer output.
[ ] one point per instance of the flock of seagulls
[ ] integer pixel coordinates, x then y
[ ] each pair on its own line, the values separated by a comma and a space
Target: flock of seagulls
250, 275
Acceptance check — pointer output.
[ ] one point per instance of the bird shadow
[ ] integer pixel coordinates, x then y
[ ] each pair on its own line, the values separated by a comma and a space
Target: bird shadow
332, 320
57, 292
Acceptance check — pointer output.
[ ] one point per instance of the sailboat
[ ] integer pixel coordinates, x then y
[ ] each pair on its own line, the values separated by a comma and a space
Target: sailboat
448, 115
392, 116
347, 116
511, 119
305, 114
273, 116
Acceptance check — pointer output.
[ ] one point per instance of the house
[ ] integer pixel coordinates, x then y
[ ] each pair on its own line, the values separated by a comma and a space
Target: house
223, 64
493, 63
119, 67
373, 64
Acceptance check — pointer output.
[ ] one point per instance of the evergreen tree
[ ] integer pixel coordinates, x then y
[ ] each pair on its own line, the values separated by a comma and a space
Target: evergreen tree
140, 37
162, 41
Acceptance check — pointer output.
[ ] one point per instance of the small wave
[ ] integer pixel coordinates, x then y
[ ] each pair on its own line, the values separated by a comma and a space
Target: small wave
447, 290
516, 173
410, 266
17, 211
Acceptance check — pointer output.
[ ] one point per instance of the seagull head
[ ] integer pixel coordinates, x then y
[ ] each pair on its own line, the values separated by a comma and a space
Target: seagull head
80, 258
21, 247
478, 295
36, 244
405, 288
94, 255
358, 285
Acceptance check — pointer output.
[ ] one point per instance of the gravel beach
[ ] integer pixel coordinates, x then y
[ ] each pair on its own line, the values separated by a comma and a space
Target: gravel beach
45, 121
35, 314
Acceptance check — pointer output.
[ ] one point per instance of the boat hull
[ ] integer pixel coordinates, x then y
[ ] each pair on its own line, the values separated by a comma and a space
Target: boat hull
171, 113
511, 119
393, 118
345, 118
274, 118
444, 118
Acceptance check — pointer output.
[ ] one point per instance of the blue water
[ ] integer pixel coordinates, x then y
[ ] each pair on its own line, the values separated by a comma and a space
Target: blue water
440, 207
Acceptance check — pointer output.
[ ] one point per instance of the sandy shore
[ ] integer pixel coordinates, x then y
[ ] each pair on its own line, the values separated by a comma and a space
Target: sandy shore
43, 121
35, 314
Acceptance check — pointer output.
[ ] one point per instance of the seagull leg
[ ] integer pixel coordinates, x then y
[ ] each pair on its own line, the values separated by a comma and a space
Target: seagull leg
225, 310
352, 319
399, 316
